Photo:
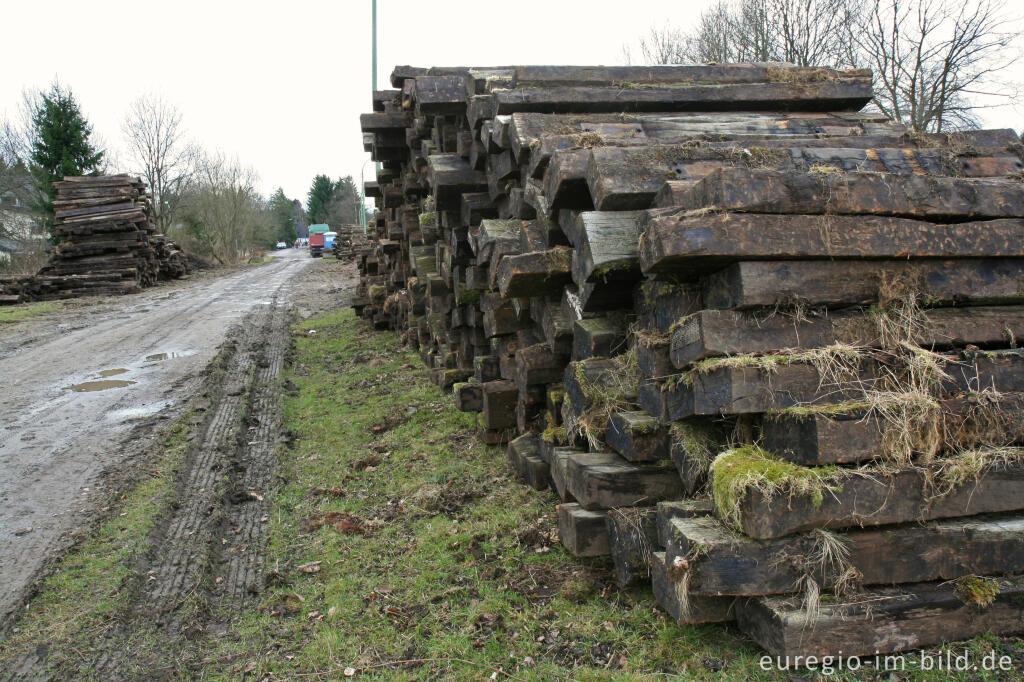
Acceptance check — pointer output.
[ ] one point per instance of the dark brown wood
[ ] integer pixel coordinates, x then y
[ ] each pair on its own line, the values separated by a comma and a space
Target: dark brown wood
632, 537
881, 498
712, 333
940, 199
850, 93
664, 584
721, 561
542, 273
499, 404
694, 444
880, 621
751, 284
693, 245
604, 481
638, 437
602, 336
469, 397
583, 532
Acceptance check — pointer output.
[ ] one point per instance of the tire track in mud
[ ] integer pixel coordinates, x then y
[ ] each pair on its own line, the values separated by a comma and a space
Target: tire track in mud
206, 559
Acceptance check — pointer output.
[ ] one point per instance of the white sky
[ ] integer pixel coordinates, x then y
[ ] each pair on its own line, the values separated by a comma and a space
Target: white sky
281, 84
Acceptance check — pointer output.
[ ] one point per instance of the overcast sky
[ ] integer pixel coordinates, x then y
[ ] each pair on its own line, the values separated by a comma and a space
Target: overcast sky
281, 84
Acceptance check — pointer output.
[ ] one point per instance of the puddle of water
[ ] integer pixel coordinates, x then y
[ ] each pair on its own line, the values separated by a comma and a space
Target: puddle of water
90, 386
160, 357
133, 413
112, 372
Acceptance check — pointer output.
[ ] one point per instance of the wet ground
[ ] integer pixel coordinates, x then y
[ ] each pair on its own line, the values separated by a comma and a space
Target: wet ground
84, 392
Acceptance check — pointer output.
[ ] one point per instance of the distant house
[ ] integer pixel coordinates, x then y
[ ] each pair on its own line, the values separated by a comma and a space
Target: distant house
19, 232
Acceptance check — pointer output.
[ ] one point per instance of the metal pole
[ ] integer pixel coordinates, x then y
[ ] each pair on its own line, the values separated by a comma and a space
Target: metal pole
374, 44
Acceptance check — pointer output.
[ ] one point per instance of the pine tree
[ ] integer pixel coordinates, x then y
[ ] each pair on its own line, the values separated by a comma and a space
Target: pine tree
317, 202
60, 145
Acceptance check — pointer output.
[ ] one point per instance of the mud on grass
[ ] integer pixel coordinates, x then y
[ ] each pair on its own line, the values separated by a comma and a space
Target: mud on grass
403, 549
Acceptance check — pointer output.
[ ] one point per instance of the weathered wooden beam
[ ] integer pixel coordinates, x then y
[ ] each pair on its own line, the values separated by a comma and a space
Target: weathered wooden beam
638, 437
879, 498
710, 333
693, 245
541, 273
881, 621
583, 532
752, 284
935, 198
614, 482
632, 537
665, 585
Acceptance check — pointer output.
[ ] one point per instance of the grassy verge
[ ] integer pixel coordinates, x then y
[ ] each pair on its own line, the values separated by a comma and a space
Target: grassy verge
19, 312
403, 549
76, 602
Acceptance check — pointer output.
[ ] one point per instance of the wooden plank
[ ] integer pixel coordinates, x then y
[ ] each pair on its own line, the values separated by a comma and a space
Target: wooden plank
439, 95
607, 245
751, 284
559, 470
469, 397
565, 184
638, 437
664, 584
583, 532
499, 404
538, 364
669, 510
602, 336
880, 498
621, 178
693, 445
852, 93
693, 245
711, 333
610, 481
880, 621
524, 455
632, 537
819, 439
450, 177
541, 273
381, 122
941, 199
722, 561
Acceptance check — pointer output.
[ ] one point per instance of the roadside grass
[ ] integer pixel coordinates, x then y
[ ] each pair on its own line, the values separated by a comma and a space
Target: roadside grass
402, 548
15, 313
77, 602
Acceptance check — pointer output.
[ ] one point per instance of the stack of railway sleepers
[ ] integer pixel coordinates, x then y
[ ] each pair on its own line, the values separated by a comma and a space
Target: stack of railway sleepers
724, 315
350, 242
105, 243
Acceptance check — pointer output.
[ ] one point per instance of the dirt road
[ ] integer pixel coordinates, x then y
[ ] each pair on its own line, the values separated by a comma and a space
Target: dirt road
82, 396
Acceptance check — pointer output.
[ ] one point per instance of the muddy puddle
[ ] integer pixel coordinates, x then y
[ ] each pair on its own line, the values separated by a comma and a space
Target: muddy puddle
102, 385
169, 355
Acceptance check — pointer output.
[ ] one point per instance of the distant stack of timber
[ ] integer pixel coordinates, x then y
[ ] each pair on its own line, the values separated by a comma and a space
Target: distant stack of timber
350, 242
762, 347
105, 243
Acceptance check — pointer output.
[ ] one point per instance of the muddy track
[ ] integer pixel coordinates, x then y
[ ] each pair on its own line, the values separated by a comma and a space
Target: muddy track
206, 559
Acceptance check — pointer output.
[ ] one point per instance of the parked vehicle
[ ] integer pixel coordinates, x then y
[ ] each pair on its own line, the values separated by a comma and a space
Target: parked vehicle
316, 238
281, 245
329, 238
316, 245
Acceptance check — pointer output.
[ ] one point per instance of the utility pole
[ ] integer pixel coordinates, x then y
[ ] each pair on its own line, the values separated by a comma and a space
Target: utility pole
373, 80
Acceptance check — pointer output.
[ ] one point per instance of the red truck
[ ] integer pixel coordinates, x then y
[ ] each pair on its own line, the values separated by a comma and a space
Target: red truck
316, 245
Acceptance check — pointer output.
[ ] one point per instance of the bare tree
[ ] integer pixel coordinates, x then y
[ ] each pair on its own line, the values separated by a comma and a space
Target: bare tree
930, 57
160, 153
222, 213
804, 32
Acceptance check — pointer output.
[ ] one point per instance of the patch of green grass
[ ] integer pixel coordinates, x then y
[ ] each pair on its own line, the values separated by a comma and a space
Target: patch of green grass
458, 568
77, 602
15, 313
